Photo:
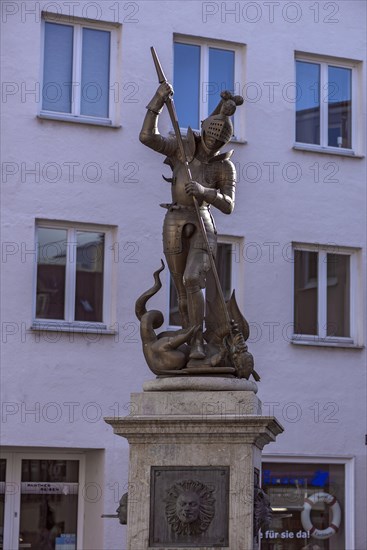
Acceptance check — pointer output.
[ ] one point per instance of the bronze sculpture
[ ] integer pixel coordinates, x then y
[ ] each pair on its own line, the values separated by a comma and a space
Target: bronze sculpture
121, 510
165, 353
202, 177
262, 510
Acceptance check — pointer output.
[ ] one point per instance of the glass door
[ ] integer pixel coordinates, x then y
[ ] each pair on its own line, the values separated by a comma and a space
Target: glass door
49, 504
41, 501
2, 500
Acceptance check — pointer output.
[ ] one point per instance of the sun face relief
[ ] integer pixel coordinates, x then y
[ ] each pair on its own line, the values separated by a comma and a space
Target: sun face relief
190, 507
187, 507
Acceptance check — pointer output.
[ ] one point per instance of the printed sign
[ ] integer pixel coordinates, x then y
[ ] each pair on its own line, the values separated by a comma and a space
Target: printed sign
49, 488
65, 542
270, 534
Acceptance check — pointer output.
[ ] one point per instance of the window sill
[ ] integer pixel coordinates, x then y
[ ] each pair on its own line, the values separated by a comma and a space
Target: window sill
62, 326
324, 342
107, 123
238, 140
327, 151
232, 140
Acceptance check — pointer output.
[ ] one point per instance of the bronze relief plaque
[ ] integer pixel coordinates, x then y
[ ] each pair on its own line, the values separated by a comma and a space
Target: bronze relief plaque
189, 506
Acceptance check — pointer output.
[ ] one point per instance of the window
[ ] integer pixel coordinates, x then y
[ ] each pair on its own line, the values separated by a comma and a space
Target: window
73, 279
78, 70
325, 104
295, 486
325, 288
203, 69
226, 259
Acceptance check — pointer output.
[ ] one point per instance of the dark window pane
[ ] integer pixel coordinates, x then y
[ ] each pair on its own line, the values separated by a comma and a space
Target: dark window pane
89, 276
340, 107
338, 296
223, 262
49, 503
2, 498
57, 68
95, 73
305, 292
51, 262
58, 471
48, 521
308, 102
187, 84
221, 76
2, 469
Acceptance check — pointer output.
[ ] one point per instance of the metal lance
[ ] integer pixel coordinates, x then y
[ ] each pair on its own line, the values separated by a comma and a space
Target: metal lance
173, 115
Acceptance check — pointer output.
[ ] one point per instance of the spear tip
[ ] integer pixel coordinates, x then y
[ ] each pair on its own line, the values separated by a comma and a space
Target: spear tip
158, 66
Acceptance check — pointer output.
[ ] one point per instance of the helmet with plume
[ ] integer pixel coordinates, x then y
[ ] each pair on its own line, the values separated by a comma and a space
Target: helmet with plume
219, 125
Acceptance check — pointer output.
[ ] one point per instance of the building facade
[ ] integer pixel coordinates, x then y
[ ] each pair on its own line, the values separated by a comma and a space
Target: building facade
81, 237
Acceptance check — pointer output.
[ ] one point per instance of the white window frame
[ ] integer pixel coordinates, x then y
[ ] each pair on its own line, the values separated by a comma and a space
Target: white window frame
324, 63
108, 324
12, 502
8, 501
239, 58
354, 340
78, 24
349, 483
236, 272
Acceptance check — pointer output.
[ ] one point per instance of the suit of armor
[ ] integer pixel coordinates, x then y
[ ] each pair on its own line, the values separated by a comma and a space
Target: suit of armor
213, 184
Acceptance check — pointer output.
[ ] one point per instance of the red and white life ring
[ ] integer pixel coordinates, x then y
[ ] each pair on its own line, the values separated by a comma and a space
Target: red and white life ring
306, 515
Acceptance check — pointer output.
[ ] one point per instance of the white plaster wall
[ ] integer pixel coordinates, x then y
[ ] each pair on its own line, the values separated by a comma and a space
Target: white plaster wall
106, 371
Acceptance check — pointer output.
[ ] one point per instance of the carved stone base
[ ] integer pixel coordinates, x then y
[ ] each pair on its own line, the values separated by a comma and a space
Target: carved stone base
199, 383
194, 456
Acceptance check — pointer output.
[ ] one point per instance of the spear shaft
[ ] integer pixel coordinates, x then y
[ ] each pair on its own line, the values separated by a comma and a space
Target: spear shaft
173, 115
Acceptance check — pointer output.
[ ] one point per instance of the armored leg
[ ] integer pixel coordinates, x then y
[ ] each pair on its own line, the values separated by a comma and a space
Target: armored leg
194, 281
195, 302
182, 299
176, 264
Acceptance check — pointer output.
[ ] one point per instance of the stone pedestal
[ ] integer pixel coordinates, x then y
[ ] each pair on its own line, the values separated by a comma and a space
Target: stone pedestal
195, 454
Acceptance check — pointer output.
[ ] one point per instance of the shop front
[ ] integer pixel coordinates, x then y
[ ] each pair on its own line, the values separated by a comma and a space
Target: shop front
41, 505
312, 503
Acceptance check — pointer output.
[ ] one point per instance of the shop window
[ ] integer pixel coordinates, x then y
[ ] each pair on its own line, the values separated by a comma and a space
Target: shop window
308, 506
43, 508
49, 504
2, 499
73, 274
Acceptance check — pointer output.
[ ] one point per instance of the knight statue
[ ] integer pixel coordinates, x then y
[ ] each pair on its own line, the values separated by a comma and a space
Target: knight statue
202, 178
